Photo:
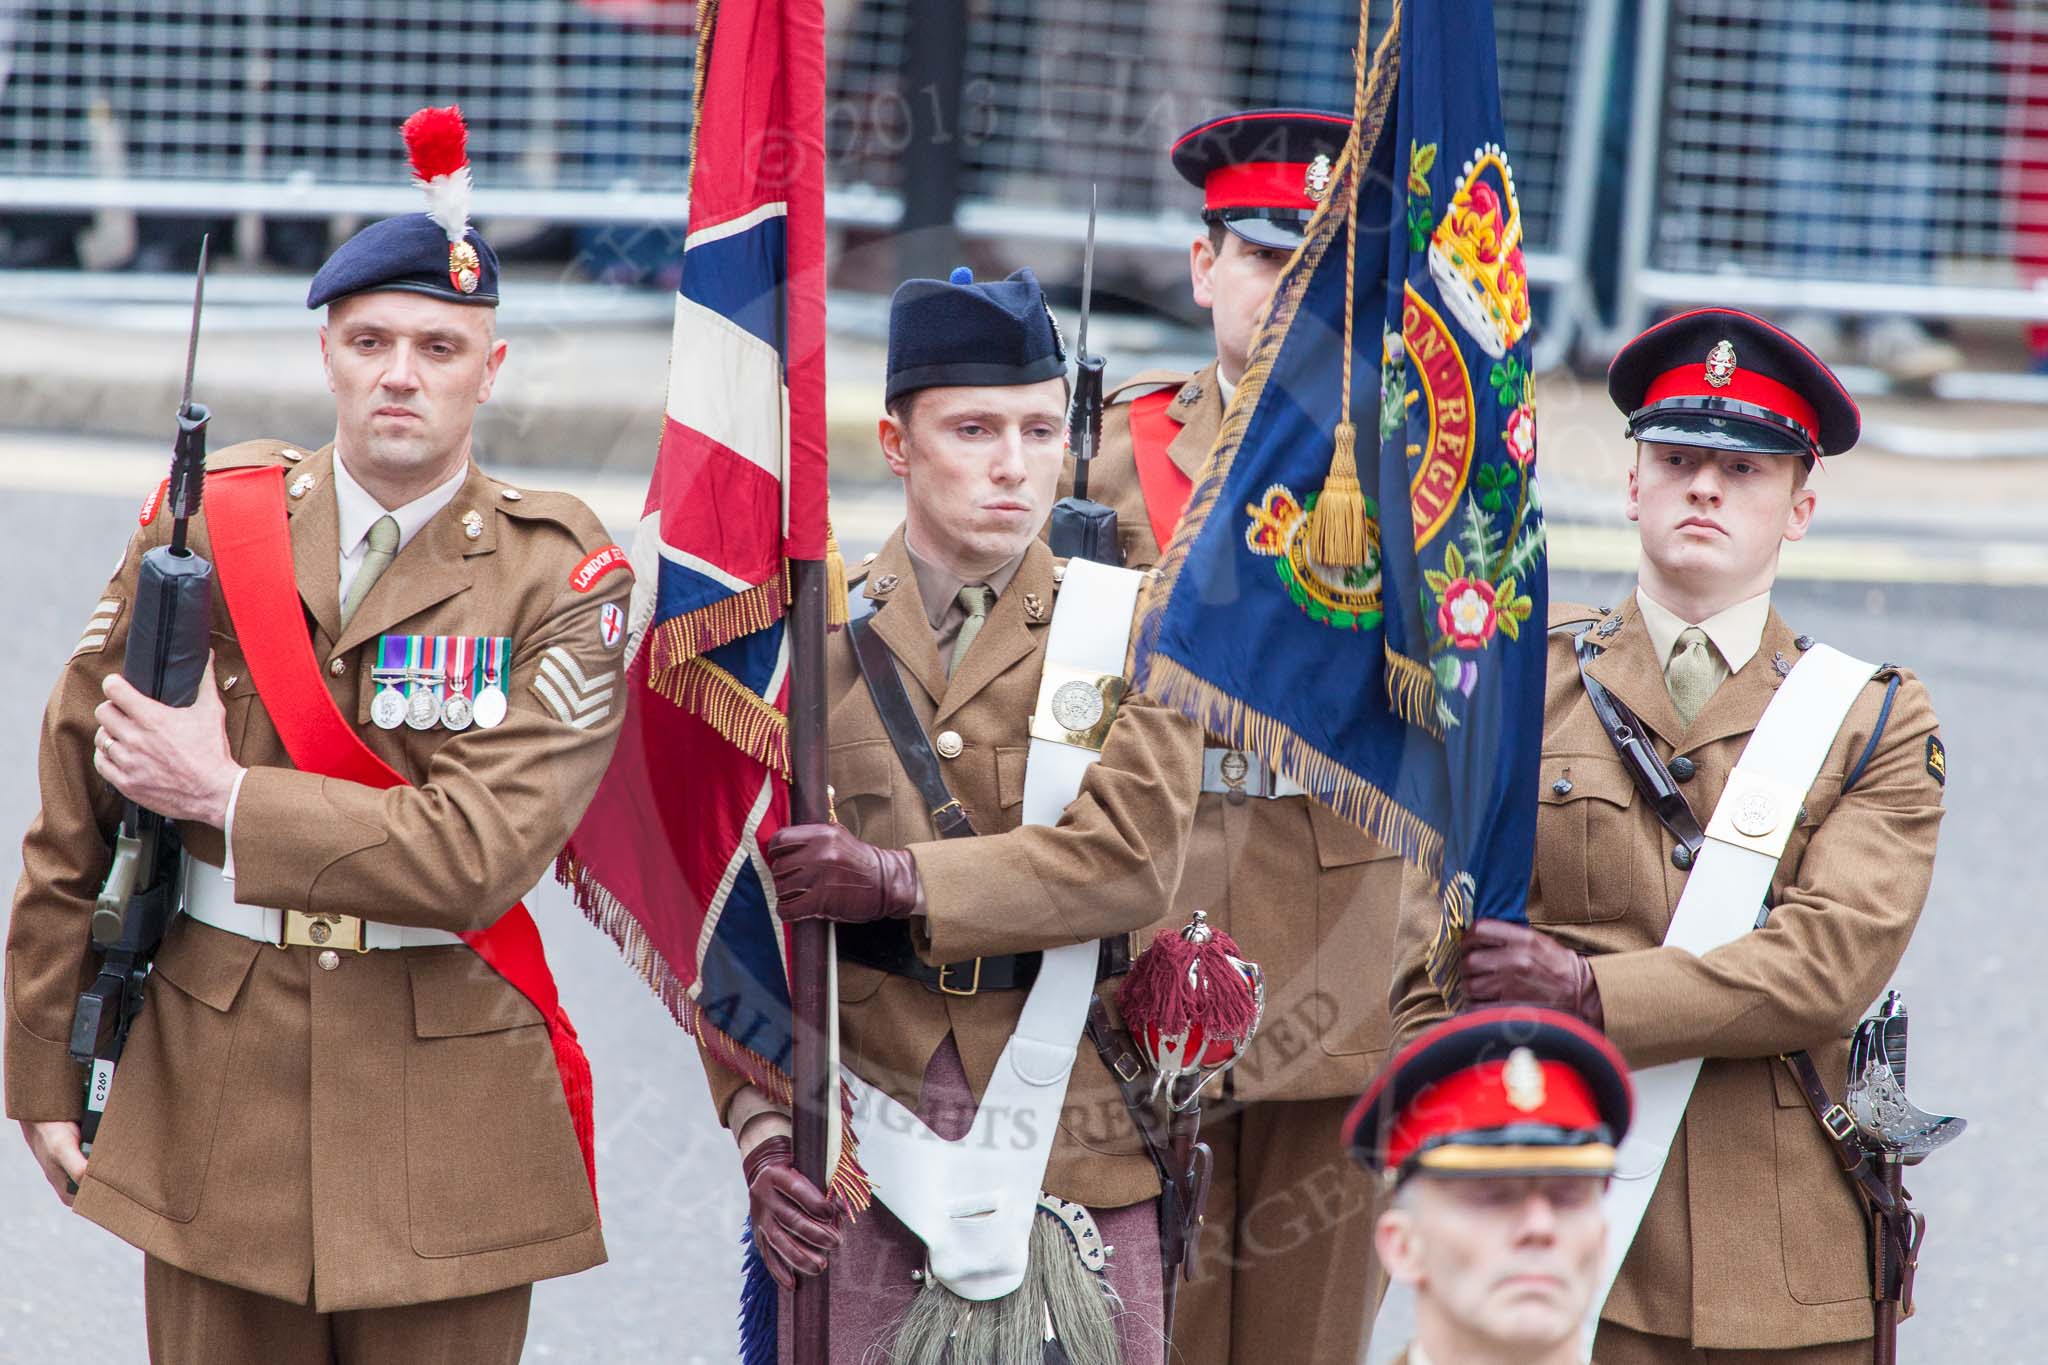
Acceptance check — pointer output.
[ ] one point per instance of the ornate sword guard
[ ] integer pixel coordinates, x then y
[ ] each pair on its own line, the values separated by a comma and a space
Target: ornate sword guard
1890, 1122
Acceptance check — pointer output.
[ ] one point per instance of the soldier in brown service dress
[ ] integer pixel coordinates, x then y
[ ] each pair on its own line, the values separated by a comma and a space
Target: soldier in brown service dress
1303, 892
331, 1155
1753, 1247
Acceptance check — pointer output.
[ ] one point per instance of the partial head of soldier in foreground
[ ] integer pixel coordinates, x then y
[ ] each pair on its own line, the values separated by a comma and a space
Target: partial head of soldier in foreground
1497, 1130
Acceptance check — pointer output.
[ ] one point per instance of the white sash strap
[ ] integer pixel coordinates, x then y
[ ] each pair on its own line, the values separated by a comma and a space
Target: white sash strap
971, 1202
1755, 816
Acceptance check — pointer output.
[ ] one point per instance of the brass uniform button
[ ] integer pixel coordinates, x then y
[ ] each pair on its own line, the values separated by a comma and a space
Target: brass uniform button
337, 666
510, 494
1683, 768
1563, 786
948, 744
1681, 857
328, 959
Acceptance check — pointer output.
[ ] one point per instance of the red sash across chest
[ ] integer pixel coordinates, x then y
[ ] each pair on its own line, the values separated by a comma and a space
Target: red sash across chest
1166, 488
251, 540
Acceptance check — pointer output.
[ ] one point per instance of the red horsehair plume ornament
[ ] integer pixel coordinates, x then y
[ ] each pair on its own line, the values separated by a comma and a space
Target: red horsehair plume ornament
1191, 1005
437, 141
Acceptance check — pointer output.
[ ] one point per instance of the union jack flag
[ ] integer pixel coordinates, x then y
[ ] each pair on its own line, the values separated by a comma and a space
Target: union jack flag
668, 858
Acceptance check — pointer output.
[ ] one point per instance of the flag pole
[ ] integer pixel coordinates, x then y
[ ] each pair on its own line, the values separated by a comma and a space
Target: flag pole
813, 1085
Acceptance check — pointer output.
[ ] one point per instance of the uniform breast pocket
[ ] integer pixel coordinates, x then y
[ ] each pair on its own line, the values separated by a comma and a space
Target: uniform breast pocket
491, 1155
863, 778
237, 693
1585, 841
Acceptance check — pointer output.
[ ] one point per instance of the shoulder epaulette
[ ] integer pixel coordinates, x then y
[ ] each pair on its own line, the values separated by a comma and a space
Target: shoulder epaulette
1564, 615
254, 455
1149, 381
565, 510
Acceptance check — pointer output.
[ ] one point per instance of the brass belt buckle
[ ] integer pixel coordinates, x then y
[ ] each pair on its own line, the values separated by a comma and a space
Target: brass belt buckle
973, 987
1838, 1123
301, 930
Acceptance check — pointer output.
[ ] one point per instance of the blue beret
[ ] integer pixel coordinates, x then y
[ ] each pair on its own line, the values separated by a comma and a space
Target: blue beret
955, 332
409, 253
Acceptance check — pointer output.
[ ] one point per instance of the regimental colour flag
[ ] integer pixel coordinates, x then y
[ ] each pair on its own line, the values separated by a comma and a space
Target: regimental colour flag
1357, 589
667, 860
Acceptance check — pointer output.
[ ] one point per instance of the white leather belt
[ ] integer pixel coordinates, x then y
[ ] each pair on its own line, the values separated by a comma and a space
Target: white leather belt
1233, 772
210, 899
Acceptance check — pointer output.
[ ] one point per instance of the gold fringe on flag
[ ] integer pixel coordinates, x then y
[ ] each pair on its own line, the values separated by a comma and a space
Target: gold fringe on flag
696, 632
1323, 777
752, 725
603, 910
1411, 691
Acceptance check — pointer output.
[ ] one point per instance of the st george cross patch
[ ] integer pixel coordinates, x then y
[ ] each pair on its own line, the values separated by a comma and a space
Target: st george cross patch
575, 697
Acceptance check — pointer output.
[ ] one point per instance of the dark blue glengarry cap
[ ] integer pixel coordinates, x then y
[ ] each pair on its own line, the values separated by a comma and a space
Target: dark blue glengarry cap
408, 253
1723, 379
955, 332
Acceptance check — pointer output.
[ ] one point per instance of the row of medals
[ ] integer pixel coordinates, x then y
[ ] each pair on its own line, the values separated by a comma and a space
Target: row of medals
421, 705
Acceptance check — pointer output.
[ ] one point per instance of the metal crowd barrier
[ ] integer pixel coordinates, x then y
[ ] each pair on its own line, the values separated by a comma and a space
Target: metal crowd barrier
1842, 156
581, 110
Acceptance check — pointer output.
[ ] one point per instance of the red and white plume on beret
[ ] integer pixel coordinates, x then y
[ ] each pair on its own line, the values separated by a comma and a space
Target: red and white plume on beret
437, 141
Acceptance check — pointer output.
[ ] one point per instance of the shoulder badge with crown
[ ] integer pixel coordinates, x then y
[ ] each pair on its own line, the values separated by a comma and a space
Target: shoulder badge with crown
1475, 254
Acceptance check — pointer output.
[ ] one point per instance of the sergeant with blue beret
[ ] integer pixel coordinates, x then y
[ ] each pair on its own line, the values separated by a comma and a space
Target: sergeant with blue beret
351, 1123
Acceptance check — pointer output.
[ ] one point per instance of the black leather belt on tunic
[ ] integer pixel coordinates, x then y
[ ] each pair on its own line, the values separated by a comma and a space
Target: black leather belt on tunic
885, 946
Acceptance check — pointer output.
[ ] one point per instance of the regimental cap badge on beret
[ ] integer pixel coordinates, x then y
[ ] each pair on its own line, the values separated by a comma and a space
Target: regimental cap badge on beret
1721, 364
437, 143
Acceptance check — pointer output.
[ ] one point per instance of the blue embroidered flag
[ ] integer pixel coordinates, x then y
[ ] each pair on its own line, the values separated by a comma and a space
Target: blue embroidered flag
1377, 635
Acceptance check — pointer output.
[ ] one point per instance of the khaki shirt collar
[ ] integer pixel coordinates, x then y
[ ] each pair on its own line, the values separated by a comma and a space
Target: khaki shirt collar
1737, 631
360, 510
940, 588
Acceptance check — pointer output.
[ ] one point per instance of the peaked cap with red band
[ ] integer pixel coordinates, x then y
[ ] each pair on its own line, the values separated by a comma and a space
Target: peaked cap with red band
1263, 172
1510, 1091
1727, 380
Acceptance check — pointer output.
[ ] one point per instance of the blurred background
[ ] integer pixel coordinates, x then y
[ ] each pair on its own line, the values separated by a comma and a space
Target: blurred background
1872, 174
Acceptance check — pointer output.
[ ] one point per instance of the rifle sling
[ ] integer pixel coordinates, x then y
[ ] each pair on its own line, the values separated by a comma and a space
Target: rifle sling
1649, 772
906, 732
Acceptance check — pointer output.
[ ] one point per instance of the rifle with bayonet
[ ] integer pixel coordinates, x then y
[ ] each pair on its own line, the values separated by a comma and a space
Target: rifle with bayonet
166, 661
1081, 527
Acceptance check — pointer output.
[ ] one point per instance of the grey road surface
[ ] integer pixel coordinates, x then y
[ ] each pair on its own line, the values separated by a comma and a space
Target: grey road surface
668, 1176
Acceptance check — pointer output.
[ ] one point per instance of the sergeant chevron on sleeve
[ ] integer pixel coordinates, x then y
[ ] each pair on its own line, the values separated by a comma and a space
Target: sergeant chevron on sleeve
1773, 769
351, 1121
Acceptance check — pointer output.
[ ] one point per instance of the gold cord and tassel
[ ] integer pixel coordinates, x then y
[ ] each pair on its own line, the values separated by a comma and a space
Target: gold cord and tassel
1338, 529
835, 581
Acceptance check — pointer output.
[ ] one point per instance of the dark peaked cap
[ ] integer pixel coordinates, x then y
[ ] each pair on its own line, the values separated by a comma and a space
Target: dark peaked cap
955, 332
1724, 379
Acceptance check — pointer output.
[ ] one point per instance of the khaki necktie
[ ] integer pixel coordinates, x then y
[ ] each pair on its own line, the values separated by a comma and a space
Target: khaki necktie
1694, 672
975, 599
383, 540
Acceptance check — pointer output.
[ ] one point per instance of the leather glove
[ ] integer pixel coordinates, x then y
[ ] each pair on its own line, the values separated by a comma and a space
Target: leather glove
1508, 963
795, 1226
822, 872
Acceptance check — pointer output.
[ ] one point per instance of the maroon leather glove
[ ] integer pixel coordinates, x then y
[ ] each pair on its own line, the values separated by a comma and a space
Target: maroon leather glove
795, 1226
822, 872
1513, 964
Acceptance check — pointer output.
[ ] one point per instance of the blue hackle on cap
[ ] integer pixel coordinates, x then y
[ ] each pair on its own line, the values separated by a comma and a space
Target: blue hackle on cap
760, 1305
961, 275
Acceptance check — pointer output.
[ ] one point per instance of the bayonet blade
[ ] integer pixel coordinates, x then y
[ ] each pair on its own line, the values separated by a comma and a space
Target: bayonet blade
1087, 274
192, 345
